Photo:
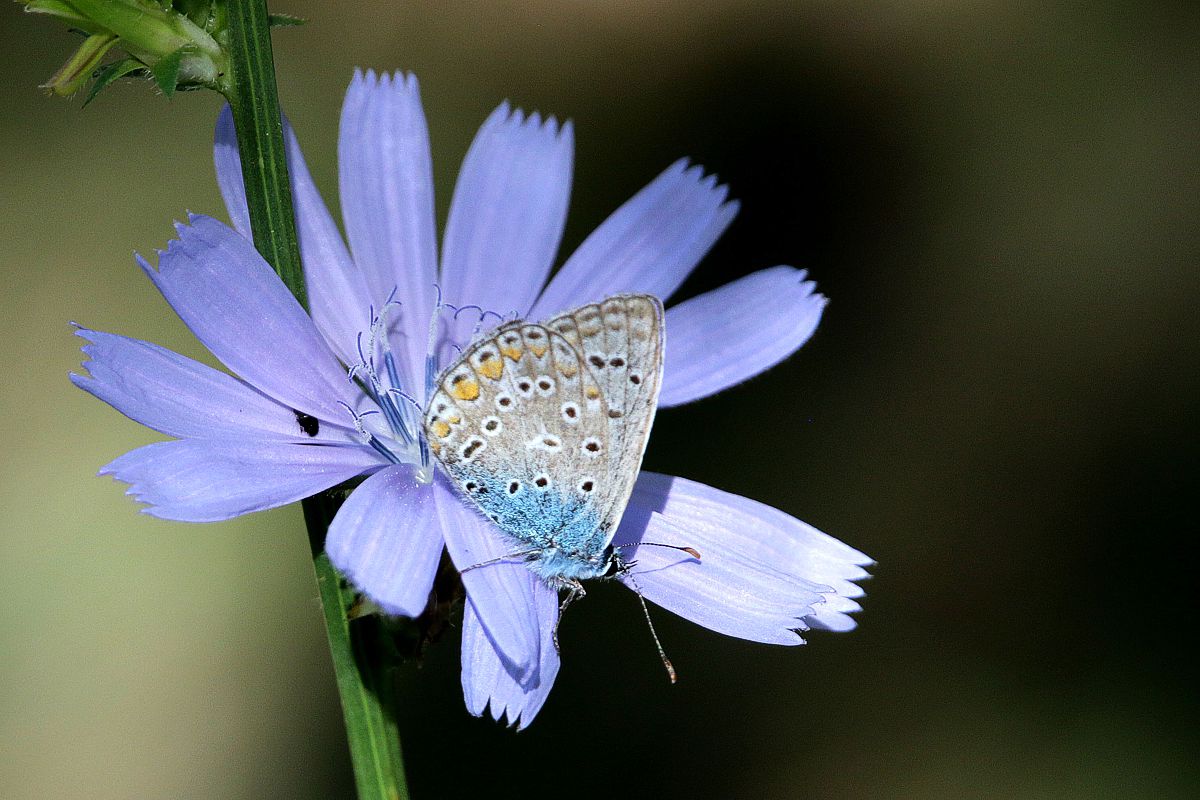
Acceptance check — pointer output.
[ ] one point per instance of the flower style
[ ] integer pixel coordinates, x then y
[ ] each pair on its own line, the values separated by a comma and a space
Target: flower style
388, 315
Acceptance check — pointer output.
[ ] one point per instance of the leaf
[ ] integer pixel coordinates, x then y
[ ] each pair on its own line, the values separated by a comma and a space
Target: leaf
57, 8
285, 20
110, 73
73, 74
166, 71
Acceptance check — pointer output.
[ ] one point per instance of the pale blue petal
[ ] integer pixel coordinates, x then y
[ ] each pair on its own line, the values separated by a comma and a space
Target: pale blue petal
507, 216
385, 180
337, 294
387, 539
725, 336
761, 575
650, 244
182, 397
488, 682
720, 593
229, 172
237, 306
503, 593
195, 480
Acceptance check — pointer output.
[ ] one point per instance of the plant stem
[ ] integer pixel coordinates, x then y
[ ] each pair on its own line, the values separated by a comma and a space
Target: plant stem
361, 663
256, 116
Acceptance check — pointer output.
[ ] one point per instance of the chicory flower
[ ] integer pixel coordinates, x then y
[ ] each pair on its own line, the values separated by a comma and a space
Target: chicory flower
323, 398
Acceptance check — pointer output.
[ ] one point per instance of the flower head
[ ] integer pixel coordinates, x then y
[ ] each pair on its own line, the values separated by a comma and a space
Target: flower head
324, 398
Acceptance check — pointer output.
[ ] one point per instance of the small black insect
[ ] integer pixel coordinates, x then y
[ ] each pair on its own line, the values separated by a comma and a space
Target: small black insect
309, 425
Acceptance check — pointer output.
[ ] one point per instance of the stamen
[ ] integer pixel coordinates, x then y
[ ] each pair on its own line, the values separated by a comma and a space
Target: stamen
378, 342
431, 359
482, 312
407, 397
368, 437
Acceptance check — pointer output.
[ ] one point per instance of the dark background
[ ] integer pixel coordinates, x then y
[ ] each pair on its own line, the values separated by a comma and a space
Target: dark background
999, 406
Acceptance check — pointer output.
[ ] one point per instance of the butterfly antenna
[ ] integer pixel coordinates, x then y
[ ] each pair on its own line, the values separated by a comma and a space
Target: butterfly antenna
691, 551
646, 613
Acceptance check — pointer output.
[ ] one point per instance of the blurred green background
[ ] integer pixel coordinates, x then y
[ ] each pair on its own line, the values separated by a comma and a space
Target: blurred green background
1000, 406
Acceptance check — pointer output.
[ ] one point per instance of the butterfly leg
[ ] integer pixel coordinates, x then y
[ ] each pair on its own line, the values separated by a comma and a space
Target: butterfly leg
575, 591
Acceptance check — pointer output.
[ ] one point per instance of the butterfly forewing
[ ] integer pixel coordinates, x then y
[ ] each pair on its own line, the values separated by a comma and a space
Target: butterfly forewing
544, 426
620, 341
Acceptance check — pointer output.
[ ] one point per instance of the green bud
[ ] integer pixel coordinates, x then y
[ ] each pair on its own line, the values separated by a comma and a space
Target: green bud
72, 75
172, 42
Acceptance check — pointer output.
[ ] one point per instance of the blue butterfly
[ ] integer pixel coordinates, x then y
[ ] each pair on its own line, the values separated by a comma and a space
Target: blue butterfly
543, 428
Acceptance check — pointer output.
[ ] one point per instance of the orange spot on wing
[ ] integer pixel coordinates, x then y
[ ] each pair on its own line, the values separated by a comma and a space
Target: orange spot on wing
465, 390
511, 352
492, 368
440, 429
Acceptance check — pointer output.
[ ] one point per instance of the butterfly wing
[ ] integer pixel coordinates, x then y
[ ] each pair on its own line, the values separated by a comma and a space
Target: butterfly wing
620, 341
543, 427
511, 423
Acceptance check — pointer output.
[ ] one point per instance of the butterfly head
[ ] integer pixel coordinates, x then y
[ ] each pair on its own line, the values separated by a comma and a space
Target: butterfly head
614, 565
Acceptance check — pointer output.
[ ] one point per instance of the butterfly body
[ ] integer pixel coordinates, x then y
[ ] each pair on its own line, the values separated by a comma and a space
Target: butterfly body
542, 427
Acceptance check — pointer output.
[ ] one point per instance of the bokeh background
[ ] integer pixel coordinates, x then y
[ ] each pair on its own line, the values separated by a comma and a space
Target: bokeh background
1000, 406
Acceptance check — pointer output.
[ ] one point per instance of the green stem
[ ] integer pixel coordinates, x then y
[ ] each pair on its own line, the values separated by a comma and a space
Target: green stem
250, 89
360, 650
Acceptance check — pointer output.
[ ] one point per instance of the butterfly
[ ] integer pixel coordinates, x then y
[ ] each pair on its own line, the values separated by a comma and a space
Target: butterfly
543, 428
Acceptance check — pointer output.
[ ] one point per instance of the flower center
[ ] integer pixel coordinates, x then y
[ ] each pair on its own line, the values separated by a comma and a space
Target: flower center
400, 440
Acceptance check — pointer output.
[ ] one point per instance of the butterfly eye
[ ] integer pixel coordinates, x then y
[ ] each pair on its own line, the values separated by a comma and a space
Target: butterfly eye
514, 487
591, 447
570, 412
492, 426
596, 361
617, 361
634, 378
504, 401
542, 481
587, 485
